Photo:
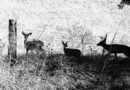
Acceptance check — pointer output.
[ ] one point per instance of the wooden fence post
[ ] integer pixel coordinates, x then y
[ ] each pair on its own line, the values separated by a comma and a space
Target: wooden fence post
12, 48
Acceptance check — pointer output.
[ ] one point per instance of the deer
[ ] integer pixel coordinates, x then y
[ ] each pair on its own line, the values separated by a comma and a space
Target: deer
114, 48
35, 45
122, 3
71, 52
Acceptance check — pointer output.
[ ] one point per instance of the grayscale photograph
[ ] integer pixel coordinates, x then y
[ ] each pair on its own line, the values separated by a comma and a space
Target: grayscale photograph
65, 45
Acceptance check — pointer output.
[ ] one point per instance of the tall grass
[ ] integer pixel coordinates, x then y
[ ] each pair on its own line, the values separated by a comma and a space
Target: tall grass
58, 72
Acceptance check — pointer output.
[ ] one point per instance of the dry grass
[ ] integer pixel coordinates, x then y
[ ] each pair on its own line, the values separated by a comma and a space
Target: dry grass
58, 72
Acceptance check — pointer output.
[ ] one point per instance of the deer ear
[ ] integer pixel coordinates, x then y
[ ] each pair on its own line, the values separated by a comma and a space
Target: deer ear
67, 42
23, 33
106, 36
63, 42
30, 34
101, 37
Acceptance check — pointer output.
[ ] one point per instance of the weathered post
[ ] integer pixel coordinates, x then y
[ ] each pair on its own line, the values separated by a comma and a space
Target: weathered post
12, 48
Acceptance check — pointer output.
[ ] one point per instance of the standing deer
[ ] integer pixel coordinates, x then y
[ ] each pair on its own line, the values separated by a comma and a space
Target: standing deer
32, 45
71, 52
122, 3
114, 48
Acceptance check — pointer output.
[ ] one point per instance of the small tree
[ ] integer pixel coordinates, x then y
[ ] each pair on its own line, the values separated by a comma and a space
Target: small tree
86, 38
79, 33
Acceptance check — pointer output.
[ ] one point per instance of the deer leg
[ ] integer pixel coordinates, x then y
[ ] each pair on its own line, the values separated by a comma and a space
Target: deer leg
40, 48
26, 52
33, 52
38, 51
116, 56
107, 54
103, 62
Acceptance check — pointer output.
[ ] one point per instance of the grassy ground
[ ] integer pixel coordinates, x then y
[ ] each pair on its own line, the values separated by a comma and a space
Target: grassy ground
58, 72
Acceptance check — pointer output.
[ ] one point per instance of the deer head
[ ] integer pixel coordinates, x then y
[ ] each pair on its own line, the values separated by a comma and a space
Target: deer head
103, 41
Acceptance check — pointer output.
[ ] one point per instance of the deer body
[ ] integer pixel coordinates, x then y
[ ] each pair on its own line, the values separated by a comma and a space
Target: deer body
71, 52
32, 45
122, 3
115, 48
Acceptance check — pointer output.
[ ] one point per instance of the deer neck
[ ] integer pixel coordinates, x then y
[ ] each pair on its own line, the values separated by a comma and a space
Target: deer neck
64, 49
25, 42
105, 46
